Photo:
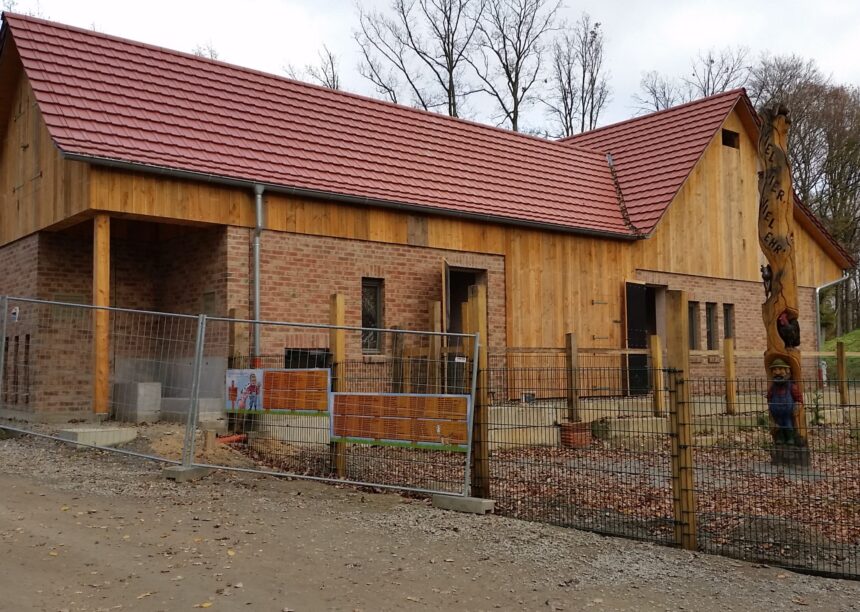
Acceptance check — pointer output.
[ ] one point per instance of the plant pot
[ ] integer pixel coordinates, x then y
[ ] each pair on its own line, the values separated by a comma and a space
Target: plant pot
575, 435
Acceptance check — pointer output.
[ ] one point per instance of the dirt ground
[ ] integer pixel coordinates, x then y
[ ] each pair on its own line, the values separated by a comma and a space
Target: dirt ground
90, 530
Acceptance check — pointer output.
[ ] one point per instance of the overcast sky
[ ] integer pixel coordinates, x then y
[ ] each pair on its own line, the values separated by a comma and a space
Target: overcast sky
640, 35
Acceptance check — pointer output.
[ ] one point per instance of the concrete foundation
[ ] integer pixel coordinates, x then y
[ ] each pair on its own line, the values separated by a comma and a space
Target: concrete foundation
99, 436
471, 505
175, 409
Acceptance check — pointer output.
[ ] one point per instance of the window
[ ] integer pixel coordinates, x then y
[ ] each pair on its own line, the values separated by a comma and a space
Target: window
728, 320
731, 139
371, 314
693, 316
711, 325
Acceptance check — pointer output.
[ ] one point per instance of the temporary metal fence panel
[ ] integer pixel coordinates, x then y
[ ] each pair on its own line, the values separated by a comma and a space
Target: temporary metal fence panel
751, 505
577, 448
52, 351
384, 408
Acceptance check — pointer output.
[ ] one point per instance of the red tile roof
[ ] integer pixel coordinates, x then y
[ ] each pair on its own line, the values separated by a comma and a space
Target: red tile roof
112, 99
654, 154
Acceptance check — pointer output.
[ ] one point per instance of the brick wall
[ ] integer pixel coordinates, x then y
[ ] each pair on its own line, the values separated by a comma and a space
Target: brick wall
749, 334
18, 266
299, 273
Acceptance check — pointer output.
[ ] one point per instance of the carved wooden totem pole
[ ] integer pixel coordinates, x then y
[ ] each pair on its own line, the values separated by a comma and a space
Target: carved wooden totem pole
780, 310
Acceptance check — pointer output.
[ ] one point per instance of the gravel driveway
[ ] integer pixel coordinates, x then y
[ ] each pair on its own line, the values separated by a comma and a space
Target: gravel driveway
90, 530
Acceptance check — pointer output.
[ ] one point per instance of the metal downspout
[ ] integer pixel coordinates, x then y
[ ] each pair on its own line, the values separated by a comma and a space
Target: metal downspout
258, 231
818, 291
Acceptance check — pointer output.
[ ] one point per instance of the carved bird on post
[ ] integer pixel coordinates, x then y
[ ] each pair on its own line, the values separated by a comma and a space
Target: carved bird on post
767, 277
788, 329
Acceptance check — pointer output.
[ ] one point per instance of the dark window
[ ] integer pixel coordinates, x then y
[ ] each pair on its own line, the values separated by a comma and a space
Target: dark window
731, 139
371, 313
693, 316
728, 320
711, 325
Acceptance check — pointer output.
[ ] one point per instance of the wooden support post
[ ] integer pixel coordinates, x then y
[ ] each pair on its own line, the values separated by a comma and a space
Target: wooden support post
209, 440
842, 373
658, 378
571, 354
481, 413
434, 368
731, 375
337, 345
397, 363
680, 426
101, 318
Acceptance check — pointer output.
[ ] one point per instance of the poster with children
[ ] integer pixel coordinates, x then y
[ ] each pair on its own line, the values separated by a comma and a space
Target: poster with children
244, 390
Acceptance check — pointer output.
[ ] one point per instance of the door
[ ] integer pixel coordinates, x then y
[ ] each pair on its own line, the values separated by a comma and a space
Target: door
638, 316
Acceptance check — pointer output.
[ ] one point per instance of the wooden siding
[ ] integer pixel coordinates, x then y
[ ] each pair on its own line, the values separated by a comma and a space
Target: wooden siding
554, 282
38, 188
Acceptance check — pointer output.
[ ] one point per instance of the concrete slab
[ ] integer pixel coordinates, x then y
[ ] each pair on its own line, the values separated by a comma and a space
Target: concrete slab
182, 473
99, 436
471, 505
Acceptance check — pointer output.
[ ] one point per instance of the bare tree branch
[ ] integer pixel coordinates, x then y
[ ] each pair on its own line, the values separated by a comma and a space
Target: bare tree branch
421, 47
562, 99
593, 86
326, 73
205, 50
658, 92
512, 44
715, 71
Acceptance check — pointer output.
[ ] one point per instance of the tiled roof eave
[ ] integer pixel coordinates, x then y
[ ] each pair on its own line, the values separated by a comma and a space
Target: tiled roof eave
621, 234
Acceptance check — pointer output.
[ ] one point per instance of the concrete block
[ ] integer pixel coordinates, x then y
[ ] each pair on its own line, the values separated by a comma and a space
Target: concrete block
471, 505
99, 436
137, 402
183, 473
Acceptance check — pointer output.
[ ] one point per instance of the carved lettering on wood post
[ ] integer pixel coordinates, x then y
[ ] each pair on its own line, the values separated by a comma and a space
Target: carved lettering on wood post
776, 238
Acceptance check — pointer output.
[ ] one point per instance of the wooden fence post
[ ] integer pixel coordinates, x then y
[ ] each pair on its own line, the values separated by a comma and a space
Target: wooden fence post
434, 368
571, 354
731, 375
841, 373
337, 345
683, 489
658, 376
480, 429
397, 363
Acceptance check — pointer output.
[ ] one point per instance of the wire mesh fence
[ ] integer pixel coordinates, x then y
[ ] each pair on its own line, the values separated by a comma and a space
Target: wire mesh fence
763, 494
624, 449
387, 408
570, 456
68, 363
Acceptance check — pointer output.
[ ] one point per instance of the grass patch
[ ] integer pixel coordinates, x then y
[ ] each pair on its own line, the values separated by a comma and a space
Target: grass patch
852, 345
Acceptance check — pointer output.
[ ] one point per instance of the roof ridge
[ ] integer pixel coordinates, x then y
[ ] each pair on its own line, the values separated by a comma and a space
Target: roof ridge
731, 92
314, 87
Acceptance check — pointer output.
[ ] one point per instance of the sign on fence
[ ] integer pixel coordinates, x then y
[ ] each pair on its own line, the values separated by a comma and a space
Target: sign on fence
426, 421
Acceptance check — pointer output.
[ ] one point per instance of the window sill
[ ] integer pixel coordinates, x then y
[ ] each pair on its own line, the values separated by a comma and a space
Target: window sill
373, 358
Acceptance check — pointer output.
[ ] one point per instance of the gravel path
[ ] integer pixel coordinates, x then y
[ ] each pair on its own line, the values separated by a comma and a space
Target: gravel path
90, 530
